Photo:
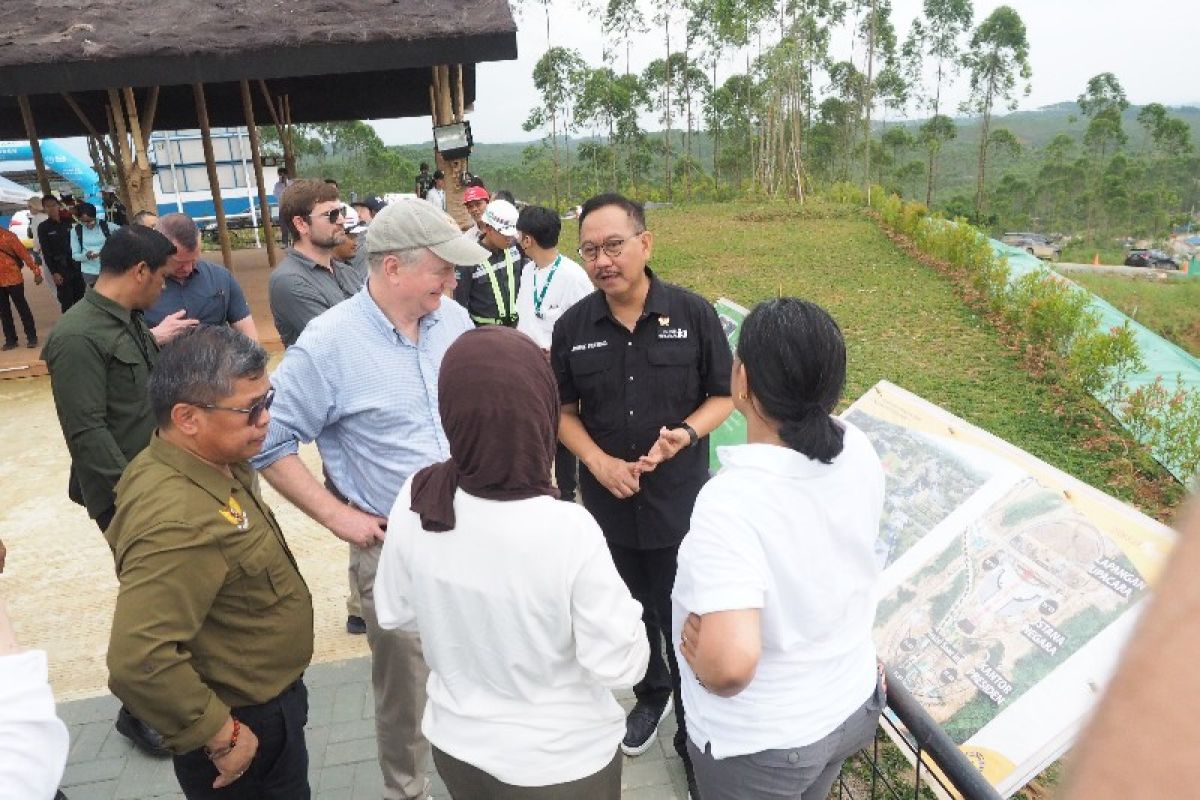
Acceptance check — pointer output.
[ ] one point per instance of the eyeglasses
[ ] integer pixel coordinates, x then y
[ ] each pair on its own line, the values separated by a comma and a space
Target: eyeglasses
332, 215
611, 247
254, 412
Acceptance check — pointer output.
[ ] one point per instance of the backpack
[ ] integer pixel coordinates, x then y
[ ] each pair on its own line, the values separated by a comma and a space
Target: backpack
79, 231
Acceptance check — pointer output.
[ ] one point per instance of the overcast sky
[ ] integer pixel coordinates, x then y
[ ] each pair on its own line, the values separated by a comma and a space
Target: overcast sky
1150, 45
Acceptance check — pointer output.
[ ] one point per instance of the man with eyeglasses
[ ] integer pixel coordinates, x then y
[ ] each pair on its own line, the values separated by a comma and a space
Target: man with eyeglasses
643, 370
100, 356
213, 624
308, 281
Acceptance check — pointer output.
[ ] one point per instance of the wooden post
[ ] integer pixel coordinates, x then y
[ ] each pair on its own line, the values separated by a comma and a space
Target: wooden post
119, 144
35, 146
256, 157
214, 180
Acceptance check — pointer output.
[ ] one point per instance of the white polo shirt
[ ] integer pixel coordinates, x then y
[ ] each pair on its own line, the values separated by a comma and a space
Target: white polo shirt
551, 291
795, 538
526, 627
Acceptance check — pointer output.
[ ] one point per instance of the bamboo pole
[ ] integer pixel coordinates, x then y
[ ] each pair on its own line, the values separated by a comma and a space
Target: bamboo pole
256, 158
289, 144
149, 112
35, 147
87, 123
460, 108
118, 163
214, 181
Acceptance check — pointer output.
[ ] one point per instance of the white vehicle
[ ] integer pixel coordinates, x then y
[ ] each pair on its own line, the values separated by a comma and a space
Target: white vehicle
19, 224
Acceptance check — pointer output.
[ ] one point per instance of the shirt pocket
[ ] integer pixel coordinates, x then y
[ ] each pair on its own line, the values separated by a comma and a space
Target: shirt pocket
264, 577
127, 374
674, 373
592, 373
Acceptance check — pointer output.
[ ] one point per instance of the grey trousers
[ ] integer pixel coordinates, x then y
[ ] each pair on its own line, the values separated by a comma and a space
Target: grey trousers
467, 782
398, 675
797, 773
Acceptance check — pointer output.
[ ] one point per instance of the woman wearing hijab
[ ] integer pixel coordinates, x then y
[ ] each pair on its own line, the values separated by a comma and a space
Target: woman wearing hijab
525, 624
774, 598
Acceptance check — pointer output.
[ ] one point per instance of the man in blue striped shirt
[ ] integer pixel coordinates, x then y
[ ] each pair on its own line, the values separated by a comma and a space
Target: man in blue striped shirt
362, 382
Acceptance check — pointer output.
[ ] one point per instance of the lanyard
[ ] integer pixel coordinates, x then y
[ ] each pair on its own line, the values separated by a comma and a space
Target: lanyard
538, 297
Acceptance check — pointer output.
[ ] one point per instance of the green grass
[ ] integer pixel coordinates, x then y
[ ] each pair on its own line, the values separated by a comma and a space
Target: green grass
1170, 308
904, 322
1111, 254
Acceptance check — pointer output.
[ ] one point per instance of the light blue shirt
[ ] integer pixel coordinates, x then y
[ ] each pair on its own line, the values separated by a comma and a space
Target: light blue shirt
93, 240
367, 395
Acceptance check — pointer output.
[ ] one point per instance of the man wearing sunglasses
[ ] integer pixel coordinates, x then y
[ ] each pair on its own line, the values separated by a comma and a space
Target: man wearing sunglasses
213, 624
100, 356
308, 281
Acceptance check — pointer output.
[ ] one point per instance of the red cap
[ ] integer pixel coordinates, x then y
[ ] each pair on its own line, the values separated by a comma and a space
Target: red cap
475, 193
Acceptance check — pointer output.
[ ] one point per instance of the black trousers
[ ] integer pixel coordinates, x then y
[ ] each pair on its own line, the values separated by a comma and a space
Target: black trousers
566, 473
71, 290
650, 576
280, 769
16, 294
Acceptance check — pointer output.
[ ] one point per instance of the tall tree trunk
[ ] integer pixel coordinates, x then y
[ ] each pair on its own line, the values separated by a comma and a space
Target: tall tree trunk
868, 101
667, 107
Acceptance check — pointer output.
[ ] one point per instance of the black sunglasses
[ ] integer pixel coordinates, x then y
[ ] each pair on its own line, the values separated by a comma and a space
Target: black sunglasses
253, 413
332, 215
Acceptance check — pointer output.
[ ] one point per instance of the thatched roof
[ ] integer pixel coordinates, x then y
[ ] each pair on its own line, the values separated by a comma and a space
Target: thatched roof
337, 59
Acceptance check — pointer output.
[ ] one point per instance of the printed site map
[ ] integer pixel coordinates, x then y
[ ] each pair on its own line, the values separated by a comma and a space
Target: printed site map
1008, 587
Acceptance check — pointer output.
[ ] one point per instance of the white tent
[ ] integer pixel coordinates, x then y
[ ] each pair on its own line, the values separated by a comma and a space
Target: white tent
13, 196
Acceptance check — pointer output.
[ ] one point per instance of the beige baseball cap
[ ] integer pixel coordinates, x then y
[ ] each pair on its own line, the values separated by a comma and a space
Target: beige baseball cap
410, 223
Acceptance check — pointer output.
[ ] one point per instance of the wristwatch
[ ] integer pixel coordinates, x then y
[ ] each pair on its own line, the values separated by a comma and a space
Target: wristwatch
693, 437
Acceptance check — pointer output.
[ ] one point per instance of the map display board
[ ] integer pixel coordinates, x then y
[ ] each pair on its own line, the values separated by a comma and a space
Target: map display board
1008, 588
733, 429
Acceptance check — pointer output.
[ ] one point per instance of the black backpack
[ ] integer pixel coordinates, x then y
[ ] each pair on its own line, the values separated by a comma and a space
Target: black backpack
79, 231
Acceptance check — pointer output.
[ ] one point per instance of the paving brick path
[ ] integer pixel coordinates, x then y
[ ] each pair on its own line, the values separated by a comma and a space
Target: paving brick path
341, 746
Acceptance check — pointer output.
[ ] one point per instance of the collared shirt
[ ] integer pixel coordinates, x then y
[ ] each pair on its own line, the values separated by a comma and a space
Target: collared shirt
481, 285
13, 256
437, 197
86, 240
54, 239
367, 395
100, 355
36, 741
630, 384
301, 289
795, 538
212, 612
546, 293
210, 294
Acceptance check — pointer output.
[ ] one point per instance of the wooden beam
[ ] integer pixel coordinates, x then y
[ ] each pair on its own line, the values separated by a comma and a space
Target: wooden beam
135, 130
256, 156
214, 181
118, 163
289, 144
149, 112
87, 123
35, 146
460, 107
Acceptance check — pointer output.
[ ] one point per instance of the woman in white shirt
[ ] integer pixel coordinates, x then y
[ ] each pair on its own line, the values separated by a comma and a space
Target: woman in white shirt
774, 597
524, 622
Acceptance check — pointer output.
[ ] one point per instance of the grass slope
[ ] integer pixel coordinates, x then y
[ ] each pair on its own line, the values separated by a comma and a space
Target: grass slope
1168, 308
903, 322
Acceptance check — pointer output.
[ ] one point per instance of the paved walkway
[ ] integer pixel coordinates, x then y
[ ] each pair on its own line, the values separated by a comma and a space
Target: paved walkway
341, 745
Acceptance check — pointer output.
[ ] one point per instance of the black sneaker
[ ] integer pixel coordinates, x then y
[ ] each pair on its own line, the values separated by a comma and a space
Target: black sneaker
641, 727
9, 346
144, 737
33, 342
356, 625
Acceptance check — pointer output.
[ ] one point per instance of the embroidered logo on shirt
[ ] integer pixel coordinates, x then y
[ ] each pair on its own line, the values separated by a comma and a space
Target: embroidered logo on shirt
673, 333
664, 321
589, 346
236, 516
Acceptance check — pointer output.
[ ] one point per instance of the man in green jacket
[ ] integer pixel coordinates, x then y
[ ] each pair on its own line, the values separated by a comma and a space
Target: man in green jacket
100, 355
213, 626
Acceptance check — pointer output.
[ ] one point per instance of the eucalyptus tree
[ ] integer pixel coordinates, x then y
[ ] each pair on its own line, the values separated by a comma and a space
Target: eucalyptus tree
1103, 102
556, 76
998, 62
933, 135
879, 36
624, 19
937, 38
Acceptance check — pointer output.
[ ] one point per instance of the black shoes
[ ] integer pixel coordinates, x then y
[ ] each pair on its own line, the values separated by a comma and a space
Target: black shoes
641, 726
144, 737
9, 346
356, 625
33, 342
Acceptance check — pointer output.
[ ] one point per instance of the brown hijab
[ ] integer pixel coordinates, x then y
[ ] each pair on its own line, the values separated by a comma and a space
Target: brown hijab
499, 406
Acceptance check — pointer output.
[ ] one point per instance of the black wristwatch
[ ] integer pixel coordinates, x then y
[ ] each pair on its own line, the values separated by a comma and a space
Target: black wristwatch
693, 437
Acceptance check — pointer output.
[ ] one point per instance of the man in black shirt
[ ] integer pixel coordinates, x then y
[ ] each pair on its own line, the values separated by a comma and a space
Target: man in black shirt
488, 290
54, 238
643, 371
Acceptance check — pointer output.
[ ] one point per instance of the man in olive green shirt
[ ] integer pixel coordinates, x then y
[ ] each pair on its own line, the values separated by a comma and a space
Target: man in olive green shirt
100, 355
213, 626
